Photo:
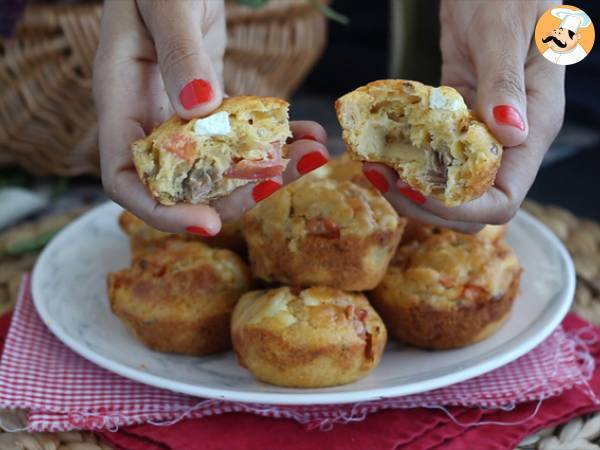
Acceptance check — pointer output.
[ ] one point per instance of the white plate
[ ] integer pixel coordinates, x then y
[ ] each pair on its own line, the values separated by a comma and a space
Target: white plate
69, 288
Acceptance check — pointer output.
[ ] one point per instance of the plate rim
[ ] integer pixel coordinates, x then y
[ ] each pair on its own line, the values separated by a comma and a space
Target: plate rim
492, 359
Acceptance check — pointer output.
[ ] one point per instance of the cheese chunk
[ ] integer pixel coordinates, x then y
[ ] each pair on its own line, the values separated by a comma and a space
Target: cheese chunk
438, 99
214, 125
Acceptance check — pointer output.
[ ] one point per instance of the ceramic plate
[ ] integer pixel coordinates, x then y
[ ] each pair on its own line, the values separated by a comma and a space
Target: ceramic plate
69, 288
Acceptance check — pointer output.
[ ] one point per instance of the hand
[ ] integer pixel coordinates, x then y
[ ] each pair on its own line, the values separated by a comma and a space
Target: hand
489, 56
156, 59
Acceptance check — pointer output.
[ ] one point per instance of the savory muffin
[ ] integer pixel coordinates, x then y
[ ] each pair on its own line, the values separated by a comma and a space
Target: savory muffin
342, 168
426, 133
307, 338
493, 233
143, 237
447, 290
206, 158
322, 232
418, 231
179, 298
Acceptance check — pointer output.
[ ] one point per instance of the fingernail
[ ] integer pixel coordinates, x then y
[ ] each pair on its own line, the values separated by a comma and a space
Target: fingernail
377, 180
508, 115
264, 189
413, 195
310, 162
195, 92
199, 231
310, 137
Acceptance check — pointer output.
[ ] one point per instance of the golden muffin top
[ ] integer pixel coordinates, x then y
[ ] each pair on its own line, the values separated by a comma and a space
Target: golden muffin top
418, 231
449, 267
172, 278
314, 315
342, 168
136, 229
324, 207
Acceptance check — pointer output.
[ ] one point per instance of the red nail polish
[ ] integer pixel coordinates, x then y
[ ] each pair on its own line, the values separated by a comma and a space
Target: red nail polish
310, 162
198, 230
377, 180
508, 115
264, 189
413, 195
195, 92
310, 137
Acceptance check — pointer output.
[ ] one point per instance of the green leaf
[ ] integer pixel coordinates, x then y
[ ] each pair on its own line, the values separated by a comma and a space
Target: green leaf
59, 187
252, 3
31, 245
329, 12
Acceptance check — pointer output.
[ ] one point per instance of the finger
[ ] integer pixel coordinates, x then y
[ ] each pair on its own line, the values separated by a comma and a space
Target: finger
120, 31
385, 179
494, 207
231, 207
305, 156
307, 129
191, 81
501, 95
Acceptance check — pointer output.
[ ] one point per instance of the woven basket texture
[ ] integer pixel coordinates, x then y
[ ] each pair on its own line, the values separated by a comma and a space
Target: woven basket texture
47, 118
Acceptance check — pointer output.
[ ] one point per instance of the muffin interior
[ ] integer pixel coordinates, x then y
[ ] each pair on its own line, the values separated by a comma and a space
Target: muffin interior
426, 134
205, 158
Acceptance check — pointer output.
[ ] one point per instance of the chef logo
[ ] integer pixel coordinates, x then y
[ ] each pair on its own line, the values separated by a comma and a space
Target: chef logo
564, 35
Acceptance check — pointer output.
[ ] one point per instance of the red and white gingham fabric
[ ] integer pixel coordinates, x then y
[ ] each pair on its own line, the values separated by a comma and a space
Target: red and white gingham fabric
63, 391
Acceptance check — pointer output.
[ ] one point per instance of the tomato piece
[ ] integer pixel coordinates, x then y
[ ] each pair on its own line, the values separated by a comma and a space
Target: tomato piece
323, 227
361, 314
181, 145
269, 167
447, 281
296, 290
473, 292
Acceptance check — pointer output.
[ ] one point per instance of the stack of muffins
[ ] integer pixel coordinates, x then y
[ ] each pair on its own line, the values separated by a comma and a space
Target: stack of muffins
320, 249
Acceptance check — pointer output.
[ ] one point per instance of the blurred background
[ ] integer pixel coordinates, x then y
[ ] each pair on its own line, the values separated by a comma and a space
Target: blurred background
288, 48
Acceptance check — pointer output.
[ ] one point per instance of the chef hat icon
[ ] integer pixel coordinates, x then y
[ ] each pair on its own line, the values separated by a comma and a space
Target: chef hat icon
570, 19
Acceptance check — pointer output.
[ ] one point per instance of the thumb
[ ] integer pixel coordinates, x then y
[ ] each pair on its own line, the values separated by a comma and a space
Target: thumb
501, 95
190, 79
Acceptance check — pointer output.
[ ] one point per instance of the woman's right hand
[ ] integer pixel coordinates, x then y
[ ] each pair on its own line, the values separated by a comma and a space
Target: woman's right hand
156, 59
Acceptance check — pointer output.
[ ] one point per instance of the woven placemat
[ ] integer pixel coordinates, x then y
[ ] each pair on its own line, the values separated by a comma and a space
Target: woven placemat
19, 248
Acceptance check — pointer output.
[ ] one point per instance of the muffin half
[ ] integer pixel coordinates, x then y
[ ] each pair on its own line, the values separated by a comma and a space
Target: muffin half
426, 133
206, 158
308, 338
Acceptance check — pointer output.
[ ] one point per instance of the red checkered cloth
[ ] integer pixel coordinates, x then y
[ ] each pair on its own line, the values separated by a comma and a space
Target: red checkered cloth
63, 391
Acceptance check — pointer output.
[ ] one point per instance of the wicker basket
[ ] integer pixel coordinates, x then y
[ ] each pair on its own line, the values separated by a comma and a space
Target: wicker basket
47, 118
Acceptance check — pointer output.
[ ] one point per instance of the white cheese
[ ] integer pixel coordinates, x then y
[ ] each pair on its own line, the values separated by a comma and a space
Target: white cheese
438, 99
214, 125
308, 300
